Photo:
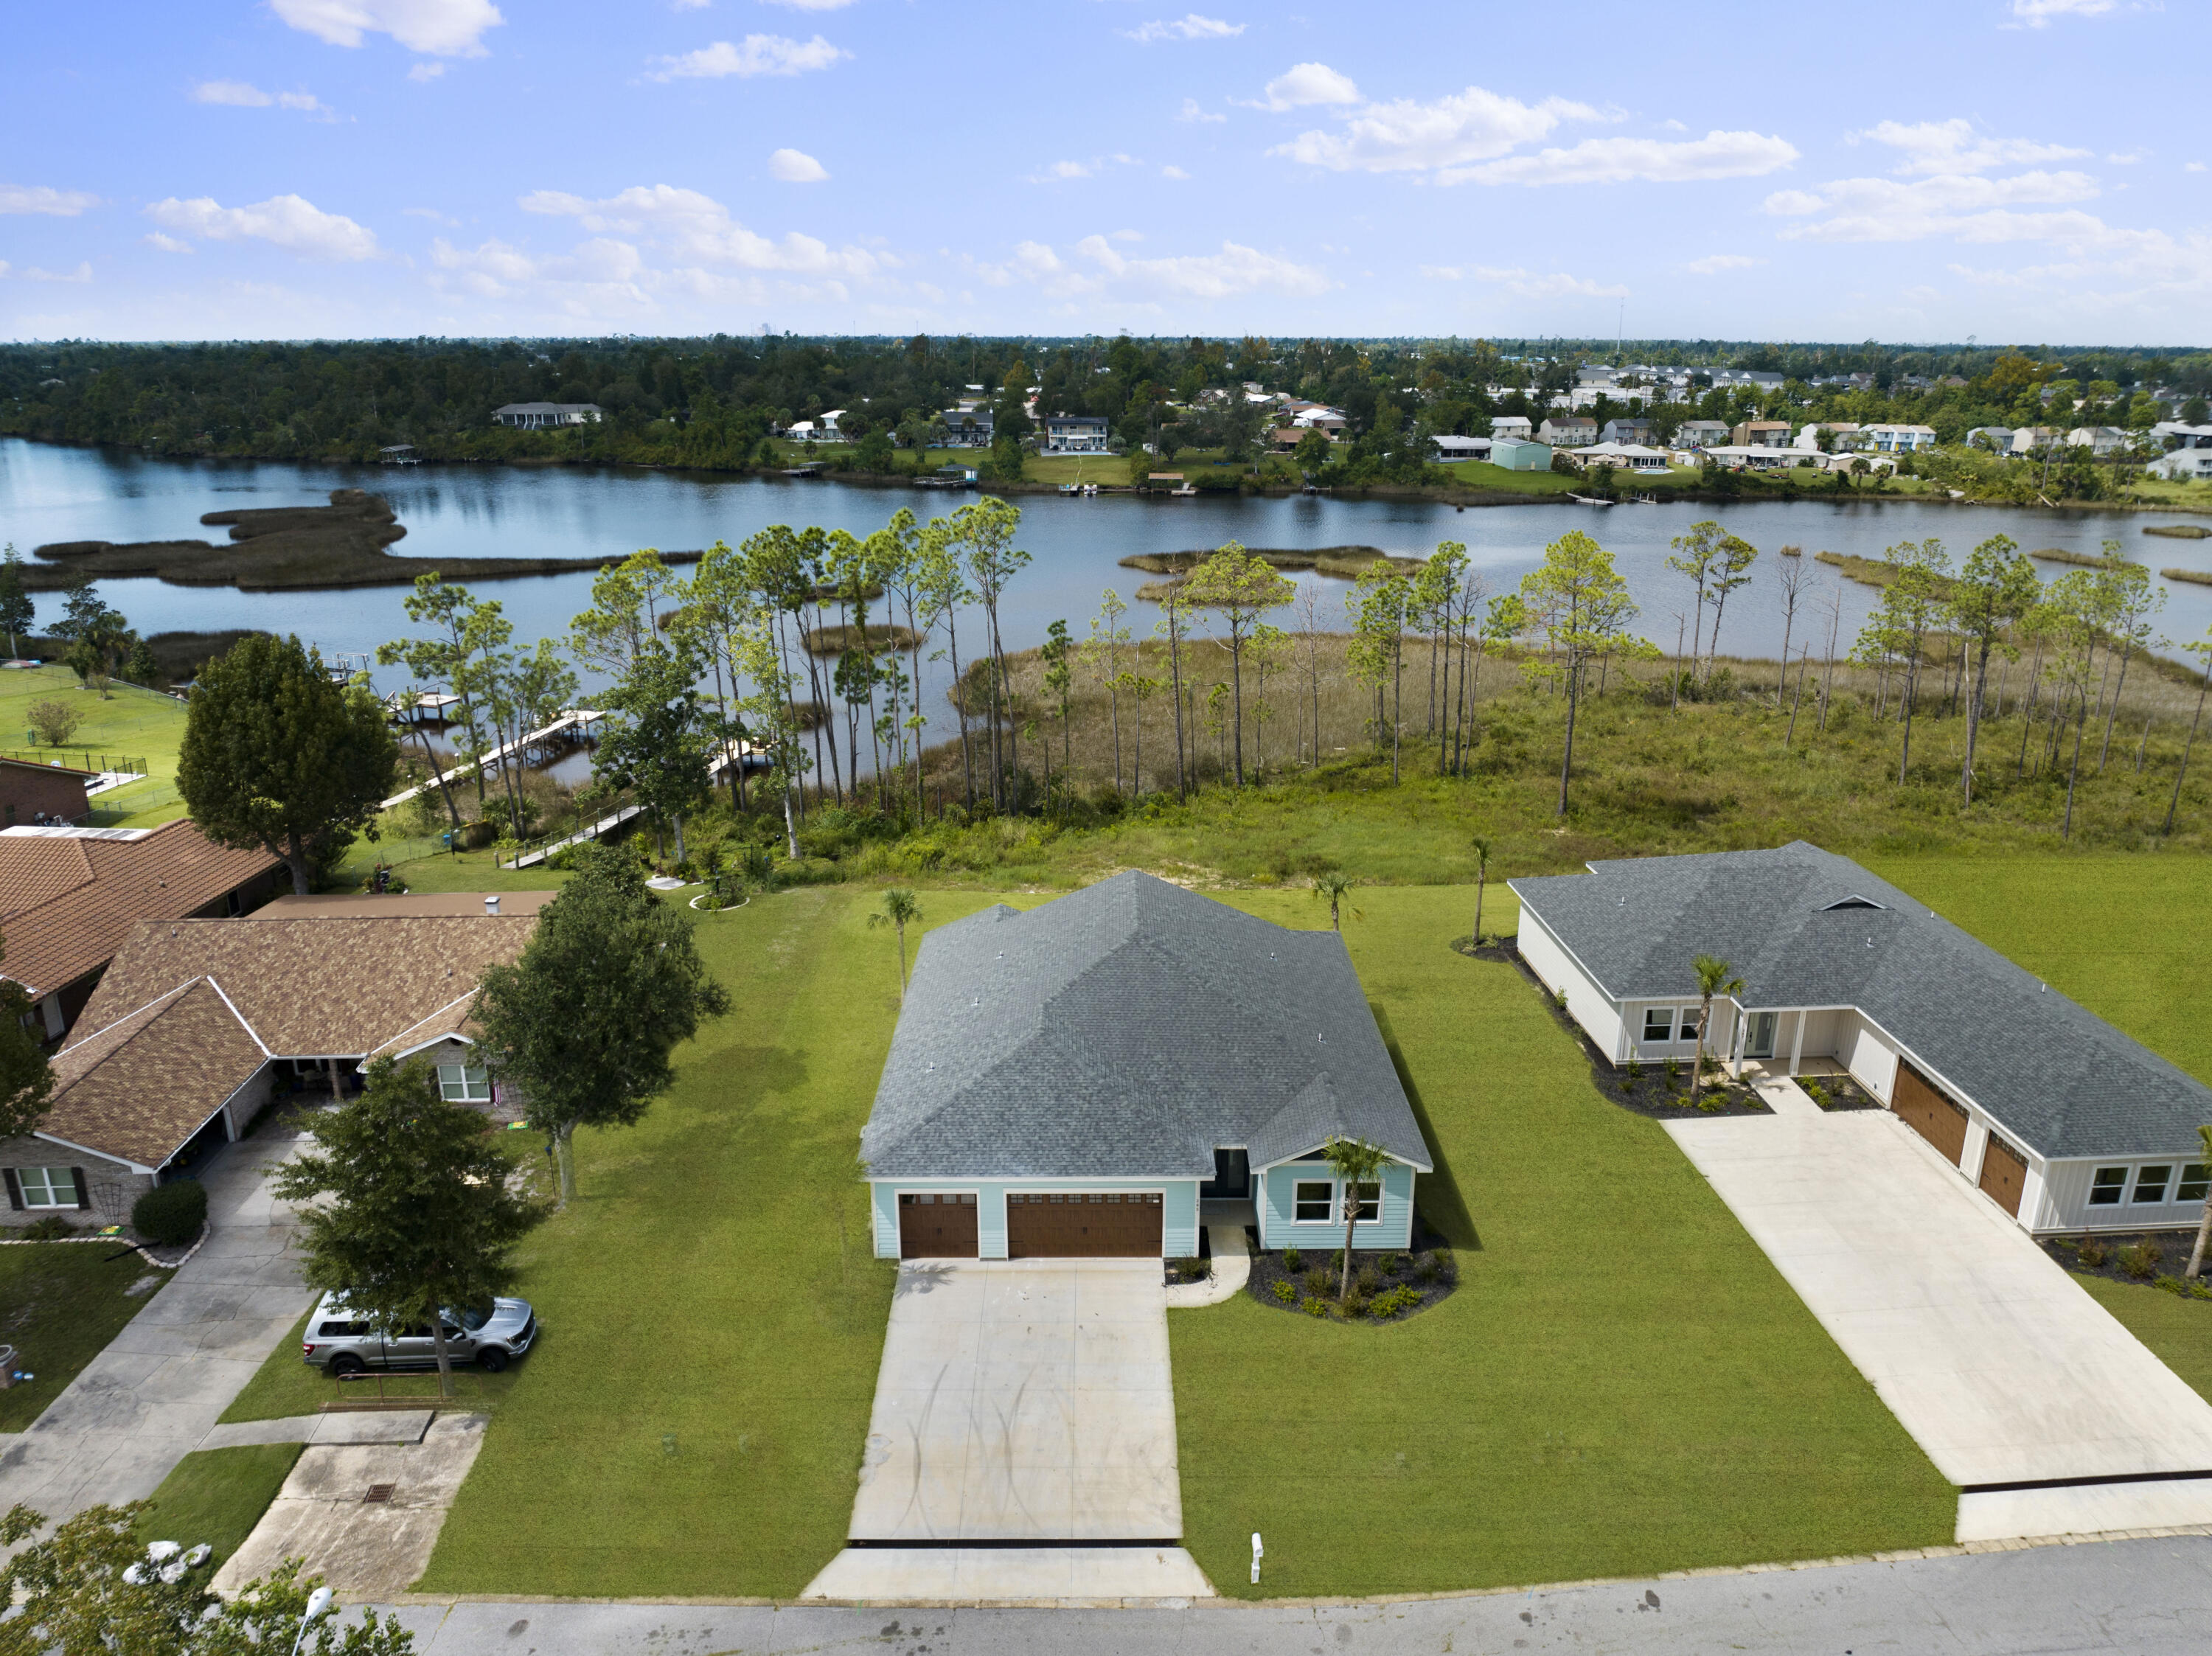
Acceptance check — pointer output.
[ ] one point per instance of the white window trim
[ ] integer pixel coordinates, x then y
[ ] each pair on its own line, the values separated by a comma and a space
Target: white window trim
1328, 1183
2167, 1184
46, 1174
1345, 1199
2120, 1190
465, 1095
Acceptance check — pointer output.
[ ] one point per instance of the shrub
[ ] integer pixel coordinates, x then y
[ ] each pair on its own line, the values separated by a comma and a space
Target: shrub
1397, 1299
1188, 1270
1316, 1280
1285, 1293
1389, 1263
54, 721
1292, 1259
1336, 1260
1559, 1000
1367, 1279
2093, 1251
1674, 1073
169, 1215
1425, 1269
1817, 1094
50, 1228
1635, 1070
1355, 1304
1314, 1306
2141, 1261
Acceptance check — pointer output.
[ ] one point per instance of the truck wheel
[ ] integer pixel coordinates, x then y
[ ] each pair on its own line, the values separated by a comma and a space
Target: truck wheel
346, 1364
491, 1360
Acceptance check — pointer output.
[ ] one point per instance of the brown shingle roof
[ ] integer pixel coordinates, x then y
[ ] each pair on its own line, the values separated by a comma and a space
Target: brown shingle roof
68, 900
342, 986
142, 1086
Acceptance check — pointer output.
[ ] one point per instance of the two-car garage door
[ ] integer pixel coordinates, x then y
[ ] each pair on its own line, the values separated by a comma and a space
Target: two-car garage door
1055, 1225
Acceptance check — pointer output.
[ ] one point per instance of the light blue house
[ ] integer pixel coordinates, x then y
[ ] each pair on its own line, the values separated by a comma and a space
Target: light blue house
1516, 455
1076, 1080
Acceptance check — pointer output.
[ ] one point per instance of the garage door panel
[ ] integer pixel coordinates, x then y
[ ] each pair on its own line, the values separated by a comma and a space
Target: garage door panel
1924, 1107
1083, 1224
2004, 1174
934, 1226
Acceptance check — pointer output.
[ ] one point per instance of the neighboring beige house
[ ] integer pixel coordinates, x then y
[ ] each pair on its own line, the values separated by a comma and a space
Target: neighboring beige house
198, 1024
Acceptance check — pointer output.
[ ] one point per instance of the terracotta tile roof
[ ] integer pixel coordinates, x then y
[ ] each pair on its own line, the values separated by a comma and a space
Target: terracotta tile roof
341, 986
68, 898
143, 1085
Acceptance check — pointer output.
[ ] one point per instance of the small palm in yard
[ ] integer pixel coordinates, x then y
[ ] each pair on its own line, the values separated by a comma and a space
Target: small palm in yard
1333, 886
1713, 979
899, 908
2204, 1225
1481, 845
1357, 1163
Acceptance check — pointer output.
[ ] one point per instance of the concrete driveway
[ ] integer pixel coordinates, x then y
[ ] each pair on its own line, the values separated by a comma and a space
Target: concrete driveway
2001, 1368
1020, 1401
153, 1395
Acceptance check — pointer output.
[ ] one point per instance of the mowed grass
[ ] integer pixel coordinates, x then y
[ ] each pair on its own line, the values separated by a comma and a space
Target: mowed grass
1622, 1384
691, 1421
60, 1304
132, 724
2178, 1331
217, 1495
285, 1386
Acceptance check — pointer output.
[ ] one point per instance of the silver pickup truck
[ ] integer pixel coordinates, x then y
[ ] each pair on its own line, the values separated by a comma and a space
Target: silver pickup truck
344, 1342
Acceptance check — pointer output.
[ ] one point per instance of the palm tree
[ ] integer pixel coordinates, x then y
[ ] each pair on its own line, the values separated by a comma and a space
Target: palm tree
1480, 845
1713, 979
899, 907
1357, 1162
1335, 885
2205, 1225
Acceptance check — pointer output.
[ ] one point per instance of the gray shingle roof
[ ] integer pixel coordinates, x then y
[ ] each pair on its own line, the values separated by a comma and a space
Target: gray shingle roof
1127, 1030
2054, 1076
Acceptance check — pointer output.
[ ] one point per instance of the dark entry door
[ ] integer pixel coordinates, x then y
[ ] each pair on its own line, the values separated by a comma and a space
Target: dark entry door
1924, 1106
936, 1227
2004, 1173
1075, 1224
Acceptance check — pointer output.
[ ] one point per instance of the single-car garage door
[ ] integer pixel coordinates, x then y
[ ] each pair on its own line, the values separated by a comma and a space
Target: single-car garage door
936, 1227
1924, 1107
1101, 1224
2004, 1173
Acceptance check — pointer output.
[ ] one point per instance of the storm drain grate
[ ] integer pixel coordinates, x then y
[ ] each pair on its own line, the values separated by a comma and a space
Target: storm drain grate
380, 1493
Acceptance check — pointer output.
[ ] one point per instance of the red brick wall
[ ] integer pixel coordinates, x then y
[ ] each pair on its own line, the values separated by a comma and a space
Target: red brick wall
27, 790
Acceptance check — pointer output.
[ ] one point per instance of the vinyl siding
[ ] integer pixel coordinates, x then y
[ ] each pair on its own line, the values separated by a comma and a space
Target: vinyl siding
1867, 1053
1556, 968
1178, 1217
1280, 1229
2060, 1200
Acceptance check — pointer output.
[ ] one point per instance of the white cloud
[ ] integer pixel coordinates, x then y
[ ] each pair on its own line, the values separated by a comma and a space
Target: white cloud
241, 94
1652, 161
1714, 264
812, 5
166, 243
1967, 207
696, 229
1193, 111
287, 222
1065, 172
796, 167
1100, 269
1173, 171
440, 28
2036, 14
689, 5
1557, 285
1405, 136
1189, 26
423, 73
33, 273
40, 198
2192, 166
1954, 146
1306, 84
756, 54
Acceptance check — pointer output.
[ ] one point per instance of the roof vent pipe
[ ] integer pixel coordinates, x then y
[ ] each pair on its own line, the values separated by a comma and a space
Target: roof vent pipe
491, 902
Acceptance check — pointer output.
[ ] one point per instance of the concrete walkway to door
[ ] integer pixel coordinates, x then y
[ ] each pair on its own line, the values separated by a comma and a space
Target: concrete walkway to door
1024, 1401
2000, 1366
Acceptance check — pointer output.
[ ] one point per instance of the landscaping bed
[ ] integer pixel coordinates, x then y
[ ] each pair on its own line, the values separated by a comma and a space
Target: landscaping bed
1387, 1287
2150, 1258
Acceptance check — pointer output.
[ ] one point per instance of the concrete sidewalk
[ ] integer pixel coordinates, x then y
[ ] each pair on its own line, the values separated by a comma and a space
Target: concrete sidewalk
152, 1396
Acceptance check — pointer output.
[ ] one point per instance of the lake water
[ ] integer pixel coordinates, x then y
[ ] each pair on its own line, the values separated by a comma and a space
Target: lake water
51, 493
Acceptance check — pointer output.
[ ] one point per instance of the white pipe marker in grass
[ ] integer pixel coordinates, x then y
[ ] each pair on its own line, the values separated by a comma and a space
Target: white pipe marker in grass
1257, 1551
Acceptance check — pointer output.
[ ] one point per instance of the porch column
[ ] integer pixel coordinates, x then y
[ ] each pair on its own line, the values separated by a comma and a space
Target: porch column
1797, 1041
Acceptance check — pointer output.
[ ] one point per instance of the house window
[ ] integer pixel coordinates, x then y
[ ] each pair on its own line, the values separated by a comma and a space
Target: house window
1313, 1201
2151, 1182
1658, 1023
1370, 1201
2105, 1189
1689, 1024
464, 1084
2196, 1183
47, 1187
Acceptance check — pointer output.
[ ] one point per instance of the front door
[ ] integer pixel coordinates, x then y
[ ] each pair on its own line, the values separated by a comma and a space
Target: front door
1759, 1035
934, 1226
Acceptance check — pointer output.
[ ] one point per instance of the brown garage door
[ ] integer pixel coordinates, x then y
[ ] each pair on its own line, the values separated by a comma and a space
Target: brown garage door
1063, 1224
933, 1226
1929, 1113
2004, 1172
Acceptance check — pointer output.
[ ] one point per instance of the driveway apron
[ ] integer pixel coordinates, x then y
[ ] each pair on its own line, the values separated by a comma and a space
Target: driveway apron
2001, 1368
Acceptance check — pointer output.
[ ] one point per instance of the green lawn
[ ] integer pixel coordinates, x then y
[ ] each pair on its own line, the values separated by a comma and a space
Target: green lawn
60, 1304
1622, 1384
691, 1421
2179, 1331
132, 723
284, 1387
217, 1495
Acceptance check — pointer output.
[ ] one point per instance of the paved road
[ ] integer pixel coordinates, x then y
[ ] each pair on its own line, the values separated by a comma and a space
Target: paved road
154, 1394
2148, 1597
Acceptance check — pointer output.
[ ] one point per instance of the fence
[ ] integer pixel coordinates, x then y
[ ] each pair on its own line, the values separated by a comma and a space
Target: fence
90, 759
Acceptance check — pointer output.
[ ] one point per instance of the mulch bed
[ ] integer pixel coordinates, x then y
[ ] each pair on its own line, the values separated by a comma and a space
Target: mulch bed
2148, 1258
1428, 1269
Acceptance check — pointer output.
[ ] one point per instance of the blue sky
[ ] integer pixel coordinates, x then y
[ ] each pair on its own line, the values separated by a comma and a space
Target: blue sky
2016, 170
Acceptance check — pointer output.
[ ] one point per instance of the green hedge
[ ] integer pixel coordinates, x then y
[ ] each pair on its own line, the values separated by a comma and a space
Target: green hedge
170, 1216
